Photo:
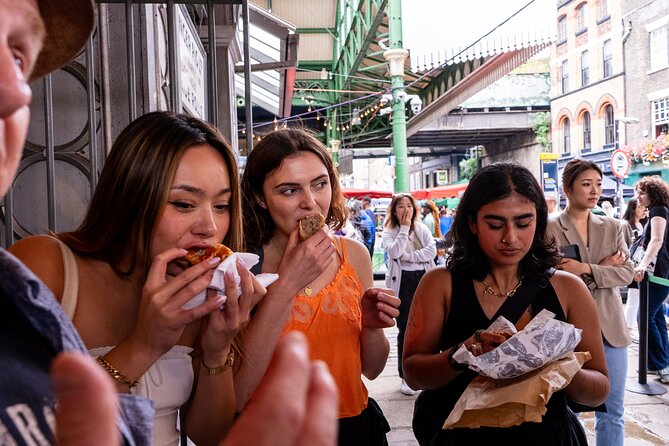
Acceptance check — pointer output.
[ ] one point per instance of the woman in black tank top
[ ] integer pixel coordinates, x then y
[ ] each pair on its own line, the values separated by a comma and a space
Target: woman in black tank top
501, 264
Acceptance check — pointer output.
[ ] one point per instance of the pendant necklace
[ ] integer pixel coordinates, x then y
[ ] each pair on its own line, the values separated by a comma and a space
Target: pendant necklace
307, 289
487, 289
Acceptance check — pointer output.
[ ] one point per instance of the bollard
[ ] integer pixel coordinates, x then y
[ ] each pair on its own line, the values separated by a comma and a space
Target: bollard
641, 385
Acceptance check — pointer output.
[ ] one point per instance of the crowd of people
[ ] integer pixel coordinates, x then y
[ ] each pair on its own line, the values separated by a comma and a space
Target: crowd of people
107, 338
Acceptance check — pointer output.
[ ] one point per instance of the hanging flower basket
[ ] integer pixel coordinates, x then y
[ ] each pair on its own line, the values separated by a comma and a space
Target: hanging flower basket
650, 151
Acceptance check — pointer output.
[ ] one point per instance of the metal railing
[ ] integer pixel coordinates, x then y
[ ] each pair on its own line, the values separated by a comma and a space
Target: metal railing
45, 199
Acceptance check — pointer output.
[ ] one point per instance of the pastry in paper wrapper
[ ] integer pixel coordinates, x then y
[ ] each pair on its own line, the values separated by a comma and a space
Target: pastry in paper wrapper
230, 263
541, 342
504, 403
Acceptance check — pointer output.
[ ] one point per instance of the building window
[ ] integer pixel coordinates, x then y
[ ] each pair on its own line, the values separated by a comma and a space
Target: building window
564, 73
661, 116
607, 58
562, 29
566, 137
603, 9
586, 132
581, 19
659, 51
609, 126
585, 69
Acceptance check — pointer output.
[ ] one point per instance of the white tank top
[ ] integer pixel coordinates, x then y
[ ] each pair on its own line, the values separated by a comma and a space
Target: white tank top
169, 381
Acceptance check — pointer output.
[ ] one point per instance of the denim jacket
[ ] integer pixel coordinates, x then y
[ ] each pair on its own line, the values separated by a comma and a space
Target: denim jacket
35, 302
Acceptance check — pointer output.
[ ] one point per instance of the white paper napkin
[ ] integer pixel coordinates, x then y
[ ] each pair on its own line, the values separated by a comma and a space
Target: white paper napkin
230, 263
542, 341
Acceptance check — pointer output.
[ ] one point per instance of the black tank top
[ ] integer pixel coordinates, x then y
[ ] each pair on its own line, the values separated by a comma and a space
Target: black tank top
464, 318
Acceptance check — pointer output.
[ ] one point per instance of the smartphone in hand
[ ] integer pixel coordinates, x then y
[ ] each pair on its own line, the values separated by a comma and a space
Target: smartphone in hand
571, 252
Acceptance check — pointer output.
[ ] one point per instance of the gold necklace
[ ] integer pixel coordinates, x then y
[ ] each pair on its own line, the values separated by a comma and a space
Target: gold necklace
307, 289
487, 289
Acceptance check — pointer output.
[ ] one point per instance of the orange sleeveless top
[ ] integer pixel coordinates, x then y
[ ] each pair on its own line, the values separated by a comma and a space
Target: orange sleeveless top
332, 321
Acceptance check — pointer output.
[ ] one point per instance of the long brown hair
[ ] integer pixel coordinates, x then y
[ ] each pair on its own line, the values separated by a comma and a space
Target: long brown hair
133, 188
267, 157
391, 219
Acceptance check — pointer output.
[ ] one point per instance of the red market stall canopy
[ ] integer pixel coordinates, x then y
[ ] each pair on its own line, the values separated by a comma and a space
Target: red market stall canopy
448, 191
362, 193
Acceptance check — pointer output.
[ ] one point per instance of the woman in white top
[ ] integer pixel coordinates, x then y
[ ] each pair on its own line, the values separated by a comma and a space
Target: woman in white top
169, 184
411, 250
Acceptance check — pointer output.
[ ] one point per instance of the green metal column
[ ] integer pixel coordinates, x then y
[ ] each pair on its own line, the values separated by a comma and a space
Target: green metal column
398, 93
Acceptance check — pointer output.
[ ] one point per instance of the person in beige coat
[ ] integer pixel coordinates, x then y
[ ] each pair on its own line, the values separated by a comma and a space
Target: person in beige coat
604, 265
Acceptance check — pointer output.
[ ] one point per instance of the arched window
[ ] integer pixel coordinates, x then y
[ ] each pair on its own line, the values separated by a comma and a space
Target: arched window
587, 145
609, 126
566, 136
562, 29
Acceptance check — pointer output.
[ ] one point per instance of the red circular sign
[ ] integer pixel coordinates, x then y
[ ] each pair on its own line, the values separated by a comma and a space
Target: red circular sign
620, 163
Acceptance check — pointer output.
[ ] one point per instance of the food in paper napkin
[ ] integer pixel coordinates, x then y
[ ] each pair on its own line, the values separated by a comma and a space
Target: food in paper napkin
198, 255
230, 263
541, 342
509, 402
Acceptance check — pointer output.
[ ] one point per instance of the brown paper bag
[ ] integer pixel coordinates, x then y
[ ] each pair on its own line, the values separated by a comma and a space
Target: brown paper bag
509, 402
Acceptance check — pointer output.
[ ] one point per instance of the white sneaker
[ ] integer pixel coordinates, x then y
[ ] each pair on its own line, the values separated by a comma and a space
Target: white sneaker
664, 375
405, 389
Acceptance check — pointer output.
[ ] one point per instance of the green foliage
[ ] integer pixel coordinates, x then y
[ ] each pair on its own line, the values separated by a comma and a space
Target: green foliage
468, 167
541, 125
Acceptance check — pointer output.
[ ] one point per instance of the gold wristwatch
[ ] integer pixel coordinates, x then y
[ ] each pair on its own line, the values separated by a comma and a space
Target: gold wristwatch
216, 370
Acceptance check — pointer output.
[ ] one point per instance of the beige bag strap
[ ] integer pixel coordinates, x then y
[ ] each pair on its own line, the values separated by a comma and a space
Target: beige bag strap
70, 281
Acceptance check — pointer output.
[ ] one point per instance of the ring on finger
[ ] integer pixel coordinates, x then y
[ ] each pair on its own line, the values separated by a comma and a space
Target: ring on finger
477, 335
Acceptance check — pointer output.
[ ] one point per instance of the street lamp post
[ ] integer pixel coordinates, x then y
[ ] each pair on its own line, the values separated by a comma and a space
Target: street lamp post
396, 56
335, 144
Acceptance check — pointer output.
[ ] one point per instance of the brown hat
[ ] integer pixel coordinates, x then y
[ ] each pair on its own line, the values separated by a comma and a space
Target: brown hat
68, 24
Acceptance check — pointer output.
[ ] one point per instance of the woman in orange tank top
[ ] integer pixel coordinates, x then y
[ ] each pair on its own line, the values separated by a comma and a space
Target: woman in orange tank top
325, 283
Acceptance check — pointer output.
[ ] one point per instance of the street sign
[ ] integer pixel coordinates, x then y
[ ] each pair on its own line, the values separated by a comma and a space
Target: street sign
549, 172
620, 163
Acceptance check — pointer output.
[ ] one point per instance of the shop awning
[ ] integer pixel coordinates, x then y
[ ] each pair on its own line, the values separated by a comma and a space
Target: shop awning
362, 193
448, 191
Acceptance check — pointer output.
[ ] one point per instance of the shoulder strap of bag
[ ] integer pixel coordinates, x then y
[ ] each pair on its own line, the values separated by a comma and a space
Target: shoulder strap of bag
523, 298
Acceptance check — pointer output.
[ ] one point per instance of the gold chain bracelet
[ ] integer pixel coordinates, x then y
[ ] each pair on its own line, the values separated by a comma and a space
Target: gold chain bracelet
116, 374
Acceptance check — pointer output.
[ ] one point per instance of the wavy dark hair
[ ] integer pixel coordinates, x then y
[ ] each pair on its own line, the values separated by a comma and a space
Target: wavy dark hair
656, 189
491, 183
266, 158
133, 188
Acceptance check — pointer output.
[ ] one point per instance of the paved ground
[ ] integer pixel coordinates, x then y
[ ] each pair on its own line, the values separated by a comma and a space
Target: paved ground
646, 417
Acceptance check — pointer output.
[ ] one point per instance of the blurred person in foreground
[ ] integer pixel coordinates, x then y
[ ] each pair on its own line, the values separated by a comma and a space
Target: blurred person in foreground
653, 192
36, 38
604, 266
500, 259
